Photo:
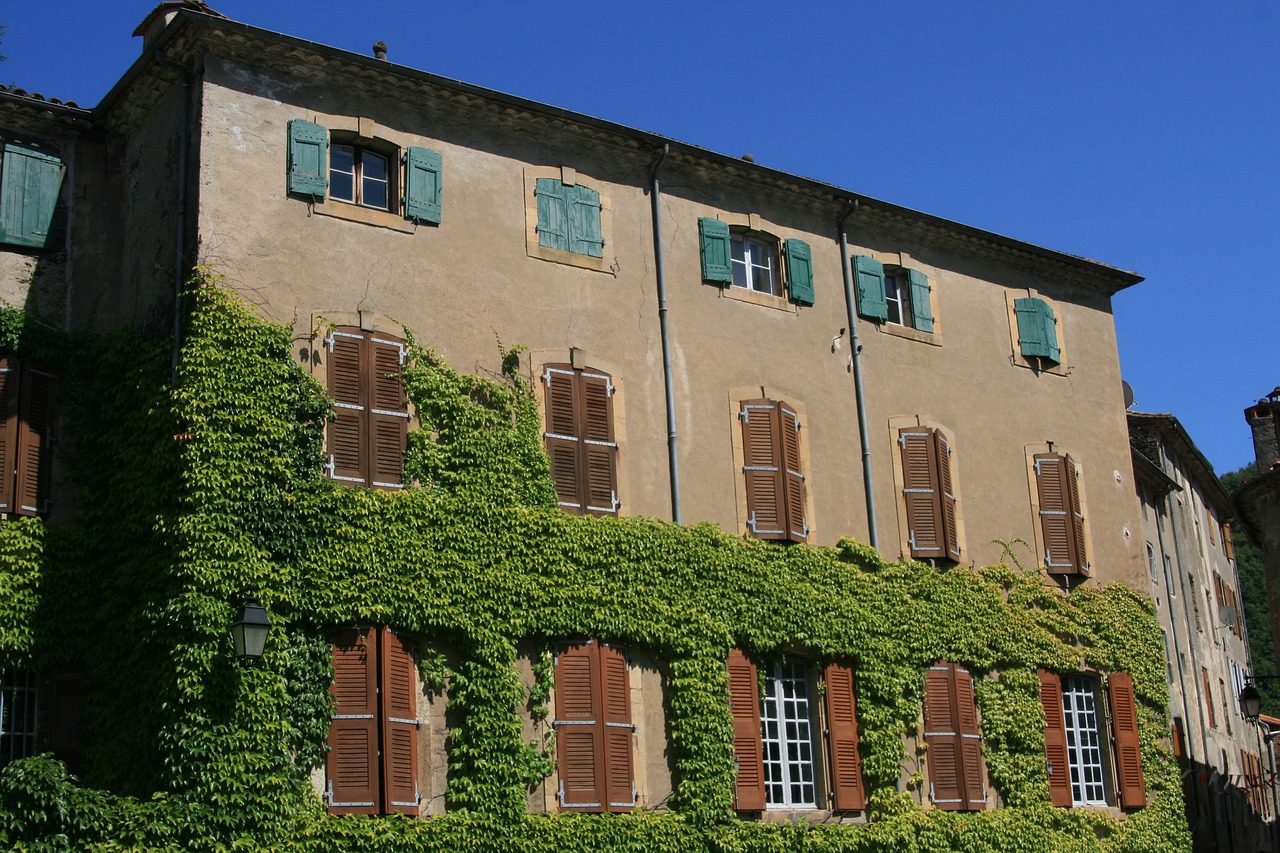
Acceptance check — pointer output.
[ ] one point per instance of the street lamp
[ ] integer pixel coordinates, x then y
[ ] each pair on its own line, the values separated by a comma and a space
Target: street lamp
250, 630
1250, 699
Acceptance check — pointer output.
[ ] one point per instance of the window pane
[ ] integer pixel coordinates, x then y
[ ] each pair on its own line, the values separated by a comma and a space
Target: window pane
342, 171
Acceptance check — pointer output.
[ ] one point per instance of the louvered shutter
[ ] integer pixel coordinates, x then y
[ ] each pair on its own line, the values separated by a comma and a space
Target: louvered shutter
799, 271
1037, 328
579, 733
1055, 740
348, 432
424, 185
942, 735
352, 765
1124, 721
1228, 544
30, 182
921, 493
308, 158
763, 469
9, 400
921, 308
564, 447
973, 771
585, 237
598, 449
399, 725
748, 751
713, 236
1208, 697
848, 792
947, 497
619, 776
793, 478
1058, 513
388, 412
869, 274
35, 439
1072, 479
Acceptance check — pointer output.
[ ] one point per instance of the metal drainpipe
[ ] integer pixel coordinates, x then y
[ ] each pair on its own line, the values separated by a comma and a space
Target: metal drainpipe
655, 200
856, 348
1177, 658
1191, 646
184, 142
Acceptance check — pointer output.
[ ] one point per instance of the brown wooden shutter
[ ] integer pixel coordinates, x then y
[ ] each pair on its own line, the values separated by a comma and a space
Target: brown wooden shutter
619, 773
388, 412
352, 765
1057, 513
579, 733
748, 752
348, 432
954, 737
66, 717
942, 735
973, 769
947, 497
1208, 697
920, 492
1055, 740
563, 445
848, 792
1124, 721
35, 440
762, 468
399, 725
600, 452
9, 399
792, 475
1072, 480
1228, 544
1217, 589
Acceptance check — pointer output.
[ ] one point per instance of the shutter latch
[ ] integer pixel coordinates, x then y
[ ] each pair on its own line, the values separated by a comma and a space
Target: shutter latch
751, 522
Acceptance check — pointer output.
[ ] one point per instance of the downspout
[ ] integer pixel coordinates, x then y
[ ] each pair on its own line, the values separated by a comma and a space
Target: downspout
655, 200
179, 277
1191, 647
856, 357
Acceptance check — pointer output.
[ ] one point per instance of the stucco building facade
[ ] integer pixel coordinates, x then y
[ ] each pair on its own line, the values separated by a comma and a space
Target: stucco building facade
710, 340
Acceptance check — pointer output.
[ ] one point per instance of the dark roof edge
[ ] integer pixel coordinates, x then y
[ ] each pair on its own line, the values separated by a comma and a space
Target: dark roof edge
71, 109
1208, 478
1116, 278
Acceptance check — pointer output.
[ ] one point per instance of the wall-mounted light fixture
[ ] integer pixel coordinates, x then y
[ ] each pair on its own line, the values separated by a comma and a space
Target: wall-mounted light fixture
250, 630
1250, 699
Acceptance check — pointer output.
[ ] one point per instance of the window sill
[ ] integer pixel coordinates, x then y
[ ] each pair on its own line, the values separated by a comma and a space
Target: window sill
768, 300
1039, 365
365, 216
559, 256
930, 338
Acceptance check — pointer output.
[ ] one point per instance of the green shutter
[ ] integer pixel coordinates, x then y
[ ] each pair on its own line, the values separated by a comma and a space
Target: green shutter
553, 218
31, 182
308, 158
714, 238
1037, 330
584, 221
921, 310
799, 271
423, 184
870, 288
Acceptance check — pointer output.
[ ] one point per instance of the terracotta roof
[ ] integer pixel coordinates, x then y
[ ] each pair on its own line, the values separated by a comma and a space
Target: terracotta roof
36, 96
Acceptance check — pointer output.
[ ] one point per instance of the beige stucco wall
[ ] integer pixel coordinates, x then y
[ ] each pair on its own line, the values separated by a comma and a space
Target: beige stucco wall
473, 279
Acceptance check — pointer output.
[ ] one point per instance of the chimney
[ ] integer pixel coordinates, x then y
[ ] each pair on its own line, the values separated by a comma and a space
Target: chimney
380, 50
1264, 420
161, 15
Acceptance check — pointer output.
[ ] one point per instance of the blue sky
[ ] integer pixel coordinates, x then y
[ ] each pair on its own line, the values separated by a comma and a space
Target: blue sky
1142, 134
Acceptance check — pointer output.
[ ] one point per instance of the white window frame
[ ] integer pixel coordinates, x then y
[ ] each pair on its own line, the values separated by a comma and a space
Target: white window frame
787, 736
1081, 717
744, 266
897, 296
19, 708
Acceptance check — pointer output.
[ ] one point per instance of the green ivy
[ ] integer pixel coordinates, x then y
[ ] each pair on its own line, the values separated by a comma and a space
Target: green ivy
197, 486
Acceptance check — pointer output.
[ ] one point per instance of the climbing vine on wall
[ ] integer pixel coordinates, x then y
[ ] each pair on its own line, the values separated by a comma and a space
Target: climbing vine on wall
215, 484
